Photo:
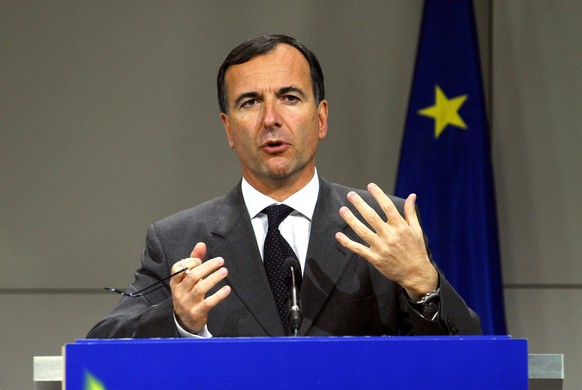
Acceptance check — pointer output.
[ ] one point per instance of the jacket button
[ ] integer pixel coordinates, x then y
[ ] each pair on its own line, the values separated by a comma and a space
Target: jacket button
452, 328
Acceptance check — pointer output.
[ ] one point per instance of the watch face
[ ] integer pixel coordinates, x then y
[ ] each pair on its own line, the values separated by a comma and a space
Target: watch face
431, 306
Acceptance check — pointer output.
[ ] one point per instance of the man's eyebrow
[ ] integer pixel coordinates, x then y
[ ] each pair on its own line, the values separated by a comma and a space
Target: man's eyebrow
246, 95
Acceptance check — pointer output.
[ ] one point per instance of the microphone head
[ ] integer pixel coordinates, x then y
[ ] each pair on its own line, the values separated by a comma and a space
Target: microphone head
292, 262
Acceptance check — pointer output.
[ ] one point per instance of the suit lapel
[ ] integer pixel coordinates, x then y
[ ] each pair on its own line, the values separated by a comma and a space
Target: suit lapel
236, 243
326, 258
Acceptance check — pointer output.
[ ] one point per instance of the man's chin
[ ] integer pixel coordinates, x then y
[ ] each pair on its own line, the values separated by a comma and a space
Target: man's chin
290, 174
282, 169
280, 174
279, 169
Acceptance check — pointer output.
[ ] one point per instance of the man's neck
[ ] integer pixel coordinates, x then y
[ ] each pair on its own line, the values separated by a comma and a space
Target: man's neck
280, 189
302, 201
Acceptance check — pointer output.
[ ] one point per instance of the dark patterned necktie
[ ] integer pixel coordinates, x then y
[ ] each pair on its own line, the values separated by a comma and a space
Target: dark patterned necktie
276, 250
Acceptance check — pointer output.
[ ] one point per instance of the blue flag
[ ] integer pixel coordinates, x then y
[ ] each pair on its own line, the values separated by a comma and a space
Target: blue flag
445, 159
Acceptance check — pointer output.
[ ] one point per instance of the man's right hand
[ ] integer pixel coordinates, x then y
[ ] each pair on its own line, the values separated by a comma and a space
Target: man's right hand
189, 288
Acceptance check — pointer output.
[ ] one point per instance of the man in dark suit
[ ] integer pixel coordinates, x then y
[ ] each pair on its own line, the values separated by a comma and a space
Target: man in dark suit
366, 265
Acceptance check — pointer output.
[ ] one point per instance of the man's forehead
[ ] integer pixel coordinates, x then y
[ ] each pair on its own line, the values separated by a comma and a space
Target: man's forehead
282, 63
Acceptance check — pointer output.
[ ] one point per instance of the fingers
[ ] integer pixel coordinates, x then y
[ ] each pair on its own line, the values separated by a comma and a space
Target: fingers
191, 305
207, 276
361, 230
199, 251
380, 235
396, 246
217, 297
354, 246
385, 203
184, 263
380, 226
200, 278
196, 257
392, 215
410, 212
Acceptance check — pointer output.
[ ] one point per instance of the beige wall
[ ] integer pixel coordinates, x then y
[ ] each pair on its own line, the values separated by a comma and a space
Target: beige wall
537, 95
109, 121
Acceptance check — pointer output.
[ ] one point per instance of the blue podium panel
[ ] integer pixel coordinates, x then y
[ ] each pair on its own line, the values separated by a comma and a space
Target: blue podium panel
298, 363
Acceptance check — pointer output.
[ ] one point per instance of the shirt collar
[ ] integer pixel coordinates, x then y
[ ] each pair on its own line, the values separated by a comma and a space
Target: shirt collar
302, 201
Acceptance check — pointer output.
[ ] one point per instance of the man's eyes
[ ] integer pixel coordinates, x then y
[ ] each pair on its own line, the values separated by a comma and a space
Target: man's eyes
249, 103
286, 98
290, 98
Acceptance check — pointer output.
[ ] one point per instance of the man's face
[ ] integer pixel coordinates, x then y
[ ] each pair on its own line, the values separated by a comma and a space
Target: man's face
273, 123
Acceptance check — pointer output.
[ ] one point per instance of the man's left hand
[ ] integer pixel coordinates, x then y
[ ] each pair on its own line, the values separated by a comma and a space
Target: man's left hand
396, 246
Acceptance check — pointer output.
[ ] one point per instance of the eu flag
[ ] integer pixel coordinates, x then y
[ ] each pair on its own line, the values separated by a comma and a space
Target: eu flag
445, 159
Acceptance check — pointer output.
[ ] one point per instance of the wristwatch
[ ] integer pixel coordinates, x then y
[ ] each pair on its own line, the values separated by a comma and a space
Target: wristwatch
429, 304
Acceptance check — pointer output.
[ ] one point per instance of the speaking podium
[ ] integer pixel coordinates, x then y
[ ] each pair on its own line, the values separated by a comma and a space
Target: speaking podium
476, 362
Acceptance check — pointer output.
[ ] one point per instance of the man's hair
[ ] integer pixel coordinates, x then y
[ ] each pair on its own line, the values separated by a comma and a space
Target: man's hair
262, 45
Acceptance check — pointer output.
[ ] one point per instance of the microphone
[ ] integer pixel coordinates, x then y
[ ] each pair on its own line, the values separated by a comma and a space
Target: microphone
295, 316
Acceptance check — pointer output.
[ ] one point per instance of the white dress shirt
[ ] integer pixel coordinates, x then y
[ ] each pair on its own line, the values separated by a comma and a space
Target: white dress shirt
296, 228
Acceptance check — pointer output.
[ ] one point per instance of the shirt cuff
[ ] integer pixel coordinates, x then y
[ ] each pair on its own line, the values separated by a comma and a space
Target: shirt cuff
203, 334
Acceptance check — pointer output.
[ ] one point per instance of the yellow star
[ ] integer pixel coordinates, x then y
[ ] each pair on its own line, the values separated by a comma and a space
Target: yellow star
445, 112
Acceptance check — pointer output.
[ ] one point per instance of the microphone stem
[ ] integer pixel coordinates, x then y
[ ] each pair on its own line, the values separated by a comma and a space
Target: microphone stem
295, 312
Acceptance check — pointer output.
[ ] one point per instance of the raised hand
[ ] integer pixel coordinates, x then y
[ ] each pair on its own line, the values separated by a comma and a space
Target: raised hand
396, 245
189, 289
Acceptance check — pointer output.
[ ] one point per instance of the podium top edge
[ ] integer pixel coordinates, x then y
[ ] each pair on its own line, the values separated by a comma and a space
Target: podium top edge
304, 339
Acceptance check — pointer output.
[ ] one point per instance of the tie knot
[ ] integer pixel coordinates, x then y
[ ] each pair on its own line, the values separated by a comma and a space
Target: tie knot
277, 213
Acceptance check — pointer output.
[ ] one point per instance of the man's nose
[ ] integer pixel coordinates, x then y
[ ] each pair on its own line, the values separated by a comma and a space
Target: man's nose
272, 115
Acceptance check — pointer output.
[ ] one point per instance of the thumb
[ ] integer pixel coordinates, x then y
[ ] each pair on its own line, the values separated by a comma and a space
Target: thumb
199, 251
410, 212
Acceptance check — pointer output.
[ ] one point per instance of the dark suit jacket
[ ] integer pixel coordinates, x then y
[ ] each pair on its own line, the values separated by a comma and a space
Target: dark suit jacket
341, 293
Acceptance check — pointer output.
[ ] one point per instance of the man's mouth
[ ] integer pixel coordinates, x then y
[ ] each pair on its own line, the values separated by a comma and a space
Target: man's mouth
275, 146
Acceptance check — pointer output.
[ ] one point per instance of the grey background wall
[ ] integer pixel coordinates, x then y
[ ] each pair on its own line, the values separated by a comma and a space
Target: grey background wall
109, 121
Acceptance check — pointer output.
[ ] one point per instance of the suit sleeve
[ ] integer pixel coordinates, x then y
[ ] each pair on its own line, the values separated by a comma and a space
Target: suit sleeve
148, 316
454, 317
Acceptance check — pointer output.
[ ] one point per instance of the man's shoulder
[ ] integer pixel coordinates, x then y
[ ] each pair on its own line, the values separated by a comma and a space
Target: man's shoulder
210, 210
202, 211
343, 190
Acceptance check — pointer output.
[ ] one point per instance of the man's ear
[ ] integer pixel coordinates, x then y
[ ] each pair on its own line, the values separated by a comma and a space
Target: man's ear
226, 123
322, 118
